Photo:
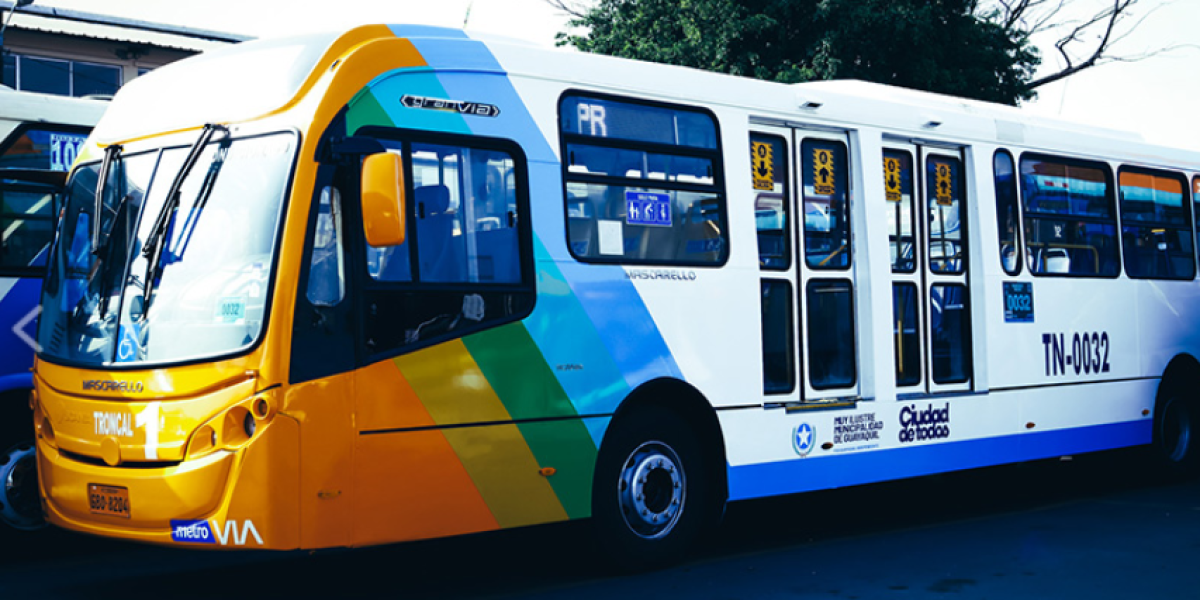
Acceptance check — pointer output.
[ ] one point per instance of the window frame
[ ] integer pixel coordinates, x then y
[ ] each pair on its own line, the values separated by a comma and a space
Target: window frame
55, 193
1110, 194
914, 208
18, 75
1185, 205
358, 273
788, 330
802, 219
49, 127
716, 155
788, 216
1017, 207
407, 137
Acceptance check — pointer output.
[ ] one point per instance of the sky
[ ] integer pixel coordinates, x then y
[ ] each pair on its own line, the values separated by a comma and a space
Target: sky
1153, 97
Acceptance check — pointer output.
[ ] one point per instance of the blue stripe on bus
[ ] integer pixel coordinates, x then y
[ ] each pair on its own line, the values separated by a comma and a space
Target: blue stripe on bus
448, 53
388, 89
419, 31
808, 474
606, 297
572, 346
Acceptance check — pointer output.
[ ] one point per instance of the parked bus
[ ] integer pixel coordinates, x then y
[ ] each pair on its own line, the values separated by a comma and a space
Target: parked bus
400, 283
40, 135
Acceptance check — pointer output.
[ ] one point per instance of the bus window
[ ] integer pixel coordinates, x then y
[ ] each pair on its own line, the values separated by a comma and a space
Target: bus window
1070, 224
1008, 220
898, 183
831, 334
907, 333
779, 355
326, 275
460, 268
40, 147
26, 226
1195, 208
826, 204
769, 164
642, 183
947, 250
950, 327
1156, 225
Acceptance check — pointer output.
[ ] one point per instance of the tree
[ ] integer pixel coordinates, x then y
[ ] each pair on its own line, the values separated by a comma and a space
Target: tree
1082, 42
973, 48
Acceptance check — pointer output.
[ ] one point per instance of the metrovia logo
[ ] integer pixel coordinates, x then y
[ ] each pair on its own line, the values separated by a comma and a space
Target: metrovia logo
478, 109
209, 532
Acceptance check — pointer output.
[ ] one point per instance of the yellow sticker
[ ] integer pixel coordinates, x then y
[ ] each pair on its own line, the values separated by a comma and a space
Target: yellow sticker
824, 182
891, 179
944, 189
762, 161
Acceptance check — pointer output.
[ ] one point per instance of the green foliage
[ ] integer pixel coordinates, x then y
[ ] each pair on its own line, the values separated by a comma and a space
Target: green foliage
934, 45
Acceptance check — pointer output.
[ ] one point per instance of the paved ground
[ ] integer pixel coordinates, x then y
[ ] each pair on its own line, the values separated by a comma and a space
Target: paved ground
1095, 527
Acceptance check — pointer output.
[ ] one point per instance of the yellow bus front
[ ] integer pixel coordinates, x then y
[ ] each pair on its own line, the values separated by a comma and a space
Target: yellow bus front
167, 318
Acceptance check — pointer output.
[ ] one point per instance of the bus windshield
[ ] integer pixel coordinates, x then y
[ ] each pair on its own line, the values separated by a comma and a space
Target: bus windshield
193, 286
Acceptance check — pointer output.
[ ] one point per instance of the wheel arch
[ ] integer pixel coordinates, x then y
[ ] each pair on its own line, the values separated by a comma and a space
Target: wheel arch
1182, 371
684, 400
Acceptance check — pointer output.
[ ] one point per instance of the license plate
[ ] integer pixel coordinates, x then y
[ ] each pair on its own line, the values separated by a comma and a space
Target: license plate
108, 500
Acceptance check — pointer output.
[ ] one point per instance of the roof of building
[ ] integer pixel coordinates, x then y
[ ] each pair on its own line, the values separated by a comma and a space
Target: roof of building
105, 27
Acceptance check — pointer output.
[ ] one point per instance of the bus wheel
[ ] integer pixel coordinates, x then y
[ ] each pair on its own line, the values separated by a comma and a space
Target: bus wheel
19, 504
652, 496
1176, 436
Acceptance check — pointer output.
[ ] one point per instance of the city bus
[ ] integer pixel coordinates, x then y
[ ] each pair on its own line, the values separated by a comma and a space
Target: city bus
40, 135
402, 282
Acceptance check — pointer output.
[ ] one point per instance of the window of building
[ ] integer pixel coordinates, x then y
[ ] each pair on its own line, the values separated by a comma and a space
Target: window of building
1156, 222
1070, 222
1008, 220
59, 76
643, 183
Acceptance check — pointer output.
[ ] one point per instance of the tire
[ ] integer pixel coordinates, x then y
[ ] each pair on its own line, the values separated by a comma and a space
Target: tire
1177, 435
653, 496
20, 505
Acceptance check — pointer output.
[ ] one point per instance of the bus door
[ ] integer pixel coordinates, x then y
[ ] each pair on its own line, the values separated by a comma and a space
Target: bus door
825, 288
772, 186
949, 329
924, 197
905, 252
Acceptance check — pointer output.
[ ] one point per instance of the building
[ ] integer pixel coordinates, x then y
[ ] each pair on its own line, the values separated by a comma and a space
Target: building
73, 53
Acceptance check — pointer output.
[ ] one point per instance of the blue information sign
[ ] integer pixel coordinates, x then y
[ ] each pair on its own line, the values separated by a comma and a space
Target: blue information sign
647, 208
1018, 302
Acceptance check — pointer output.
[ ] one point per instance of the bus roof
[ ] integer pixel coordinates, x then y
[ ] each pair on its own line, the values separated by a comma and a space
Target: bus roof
253, 79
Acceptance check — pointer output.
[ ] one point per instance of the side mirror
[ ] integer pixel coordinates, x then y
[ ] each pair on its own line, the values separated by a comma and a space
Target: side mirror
383, 205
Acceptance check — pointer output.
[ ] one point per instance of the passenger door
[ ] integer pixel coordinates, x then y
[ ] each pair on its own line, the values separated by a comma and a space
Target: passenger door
924, 197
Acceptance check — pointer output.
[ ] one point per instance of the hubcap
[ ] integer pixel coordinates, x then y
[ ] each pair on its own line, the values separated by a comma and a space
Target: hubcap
651, 490
19, 505
1176, 430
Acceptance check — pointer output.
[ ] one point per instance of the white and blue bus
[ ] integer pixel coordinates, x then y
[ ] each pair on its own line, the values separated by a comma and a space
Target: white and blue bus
40, 136
399, 283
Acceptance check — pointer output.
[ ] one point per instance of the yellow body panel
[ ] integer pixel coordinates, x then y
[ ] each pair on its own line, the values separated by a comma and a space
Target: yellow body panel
351, 459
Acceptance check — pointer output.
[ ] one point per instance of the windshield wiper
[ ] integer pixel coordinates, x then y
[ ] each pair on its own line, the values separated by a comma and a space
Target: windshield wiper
155, 239
111, 154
